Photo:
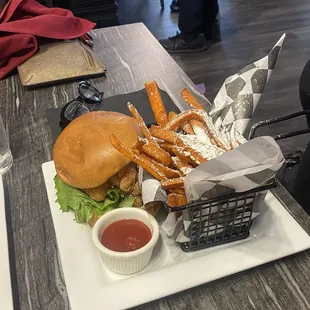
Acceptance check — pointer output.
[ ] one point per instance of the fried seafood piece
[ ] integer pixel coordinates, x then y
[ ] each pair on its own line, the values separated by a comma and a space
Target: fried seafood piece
136, 191
128, 180
114, 181
138, 202
98, 193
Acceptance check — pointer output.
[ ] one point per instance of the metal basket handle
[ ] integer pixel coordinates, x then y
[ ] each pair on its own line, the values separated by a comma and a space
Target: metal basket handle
281, 119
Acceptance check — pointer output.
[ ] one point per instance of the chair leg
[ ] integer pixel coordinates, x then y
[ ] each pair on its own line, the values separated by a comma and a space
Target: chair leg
162, 3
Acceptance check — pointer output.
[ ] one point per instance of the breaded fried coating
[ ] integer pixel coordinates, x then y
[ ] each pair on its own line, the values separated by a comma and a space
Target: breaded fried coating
138, 202
116, 178
136, 191
128, 180
98, 193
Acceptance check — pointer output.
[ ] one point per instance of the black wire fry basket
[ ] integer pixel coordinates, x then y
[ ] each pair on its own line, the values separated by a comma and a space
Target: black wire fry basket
219, 220
228, 218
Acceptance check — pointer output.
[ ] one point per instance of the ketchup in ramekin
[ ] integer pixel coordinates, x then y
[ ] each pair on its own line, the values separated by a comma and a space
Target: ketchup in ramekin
126, 235
125, 239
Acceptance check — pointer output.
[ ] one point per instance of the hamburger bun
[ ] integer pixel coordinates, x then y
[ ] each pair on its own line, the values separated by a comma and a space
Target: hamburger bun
83, 155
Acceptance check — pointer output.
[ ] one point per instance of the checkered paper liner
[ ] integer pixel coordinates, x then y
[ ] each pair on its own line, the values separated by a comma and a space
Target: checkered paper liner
247, 167
240, 93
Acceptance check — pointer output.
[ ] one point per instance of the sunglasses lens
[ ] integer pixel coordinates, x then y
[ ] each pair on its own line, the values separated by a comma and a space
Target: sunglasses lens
74, 110
71, 111
90, 93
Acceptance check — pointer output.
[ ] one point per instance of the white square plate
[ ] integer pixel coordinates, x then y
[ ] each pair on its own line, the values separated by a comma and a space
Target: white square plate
274, 234
6, 301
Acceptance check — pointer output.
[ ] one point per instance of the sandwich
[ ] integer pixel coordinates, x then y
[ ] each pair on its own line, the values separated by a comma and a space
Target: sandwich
92, 176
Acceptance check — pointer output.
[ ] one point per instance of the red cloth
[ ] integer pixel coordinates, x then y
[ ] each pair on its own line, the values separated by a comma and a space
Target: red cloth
21, 21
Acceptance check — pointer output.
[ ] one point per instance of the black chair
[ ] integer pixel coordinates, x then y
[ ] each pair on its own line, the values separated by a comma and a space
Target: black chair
295, 173
304, 95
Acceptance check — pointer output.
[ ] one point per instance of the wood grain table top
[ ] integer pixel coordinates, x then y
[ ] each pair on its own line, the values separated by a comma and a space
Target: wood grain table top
132, 57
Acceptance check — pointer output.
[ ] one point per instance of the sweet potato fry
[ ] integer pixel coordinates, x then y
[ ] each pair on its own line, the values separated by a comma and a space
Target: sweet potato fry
191, 100
182, 165
147, 165
176, 200
200, 131
140, 122
172, 183
186, 116
157, 153
194, 114
172, 200
186, 127
168, 172
196, 156
156, 102
180, 191
166, 135
189, 155
167, 147
171, 115
179, 151
140, 144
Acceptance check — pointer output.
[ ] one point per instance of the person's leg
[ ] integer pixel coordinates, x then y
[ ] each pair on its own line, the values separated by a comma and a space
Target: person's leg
195, 17
211, 27
175, 6
191, 18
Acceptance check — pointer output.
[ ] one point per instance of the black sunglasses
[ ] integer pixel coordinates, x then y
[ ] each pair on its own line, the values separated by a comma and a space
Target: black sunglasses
88, 97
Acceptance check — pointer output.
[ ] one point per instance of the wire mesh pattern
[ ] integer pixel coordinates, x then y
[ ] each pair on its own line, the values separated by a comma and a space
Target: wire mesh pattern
220, 220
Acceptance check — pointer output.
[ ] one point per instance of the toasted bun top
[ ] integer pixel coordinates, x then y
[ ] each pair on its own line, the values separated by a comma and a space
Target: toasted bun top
83, 154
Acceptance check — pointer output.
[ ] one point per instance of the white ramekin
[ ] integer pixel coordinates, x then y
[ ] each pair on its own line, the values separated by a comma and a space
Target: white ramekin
126, 262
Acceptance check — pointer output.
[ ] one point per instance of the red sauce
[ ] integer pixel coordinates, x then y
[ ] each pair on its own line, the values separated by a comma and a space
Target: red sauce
126, 235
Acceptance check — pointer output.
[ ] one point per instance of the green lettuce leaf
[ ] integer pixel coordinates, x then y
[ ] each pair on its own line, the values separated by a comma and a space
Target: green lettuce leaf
127, 201
83, 206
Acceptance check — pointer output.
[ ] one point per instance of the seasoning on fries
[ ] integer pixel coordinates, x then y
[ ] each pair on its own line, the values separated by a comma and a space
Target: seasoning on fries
177, 144
157, 153
186, 127
191, 100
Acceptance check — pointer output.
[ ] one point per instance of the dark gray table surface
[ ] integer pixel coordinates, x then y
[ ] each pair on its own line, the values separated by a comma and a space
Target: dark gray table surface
132, 56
